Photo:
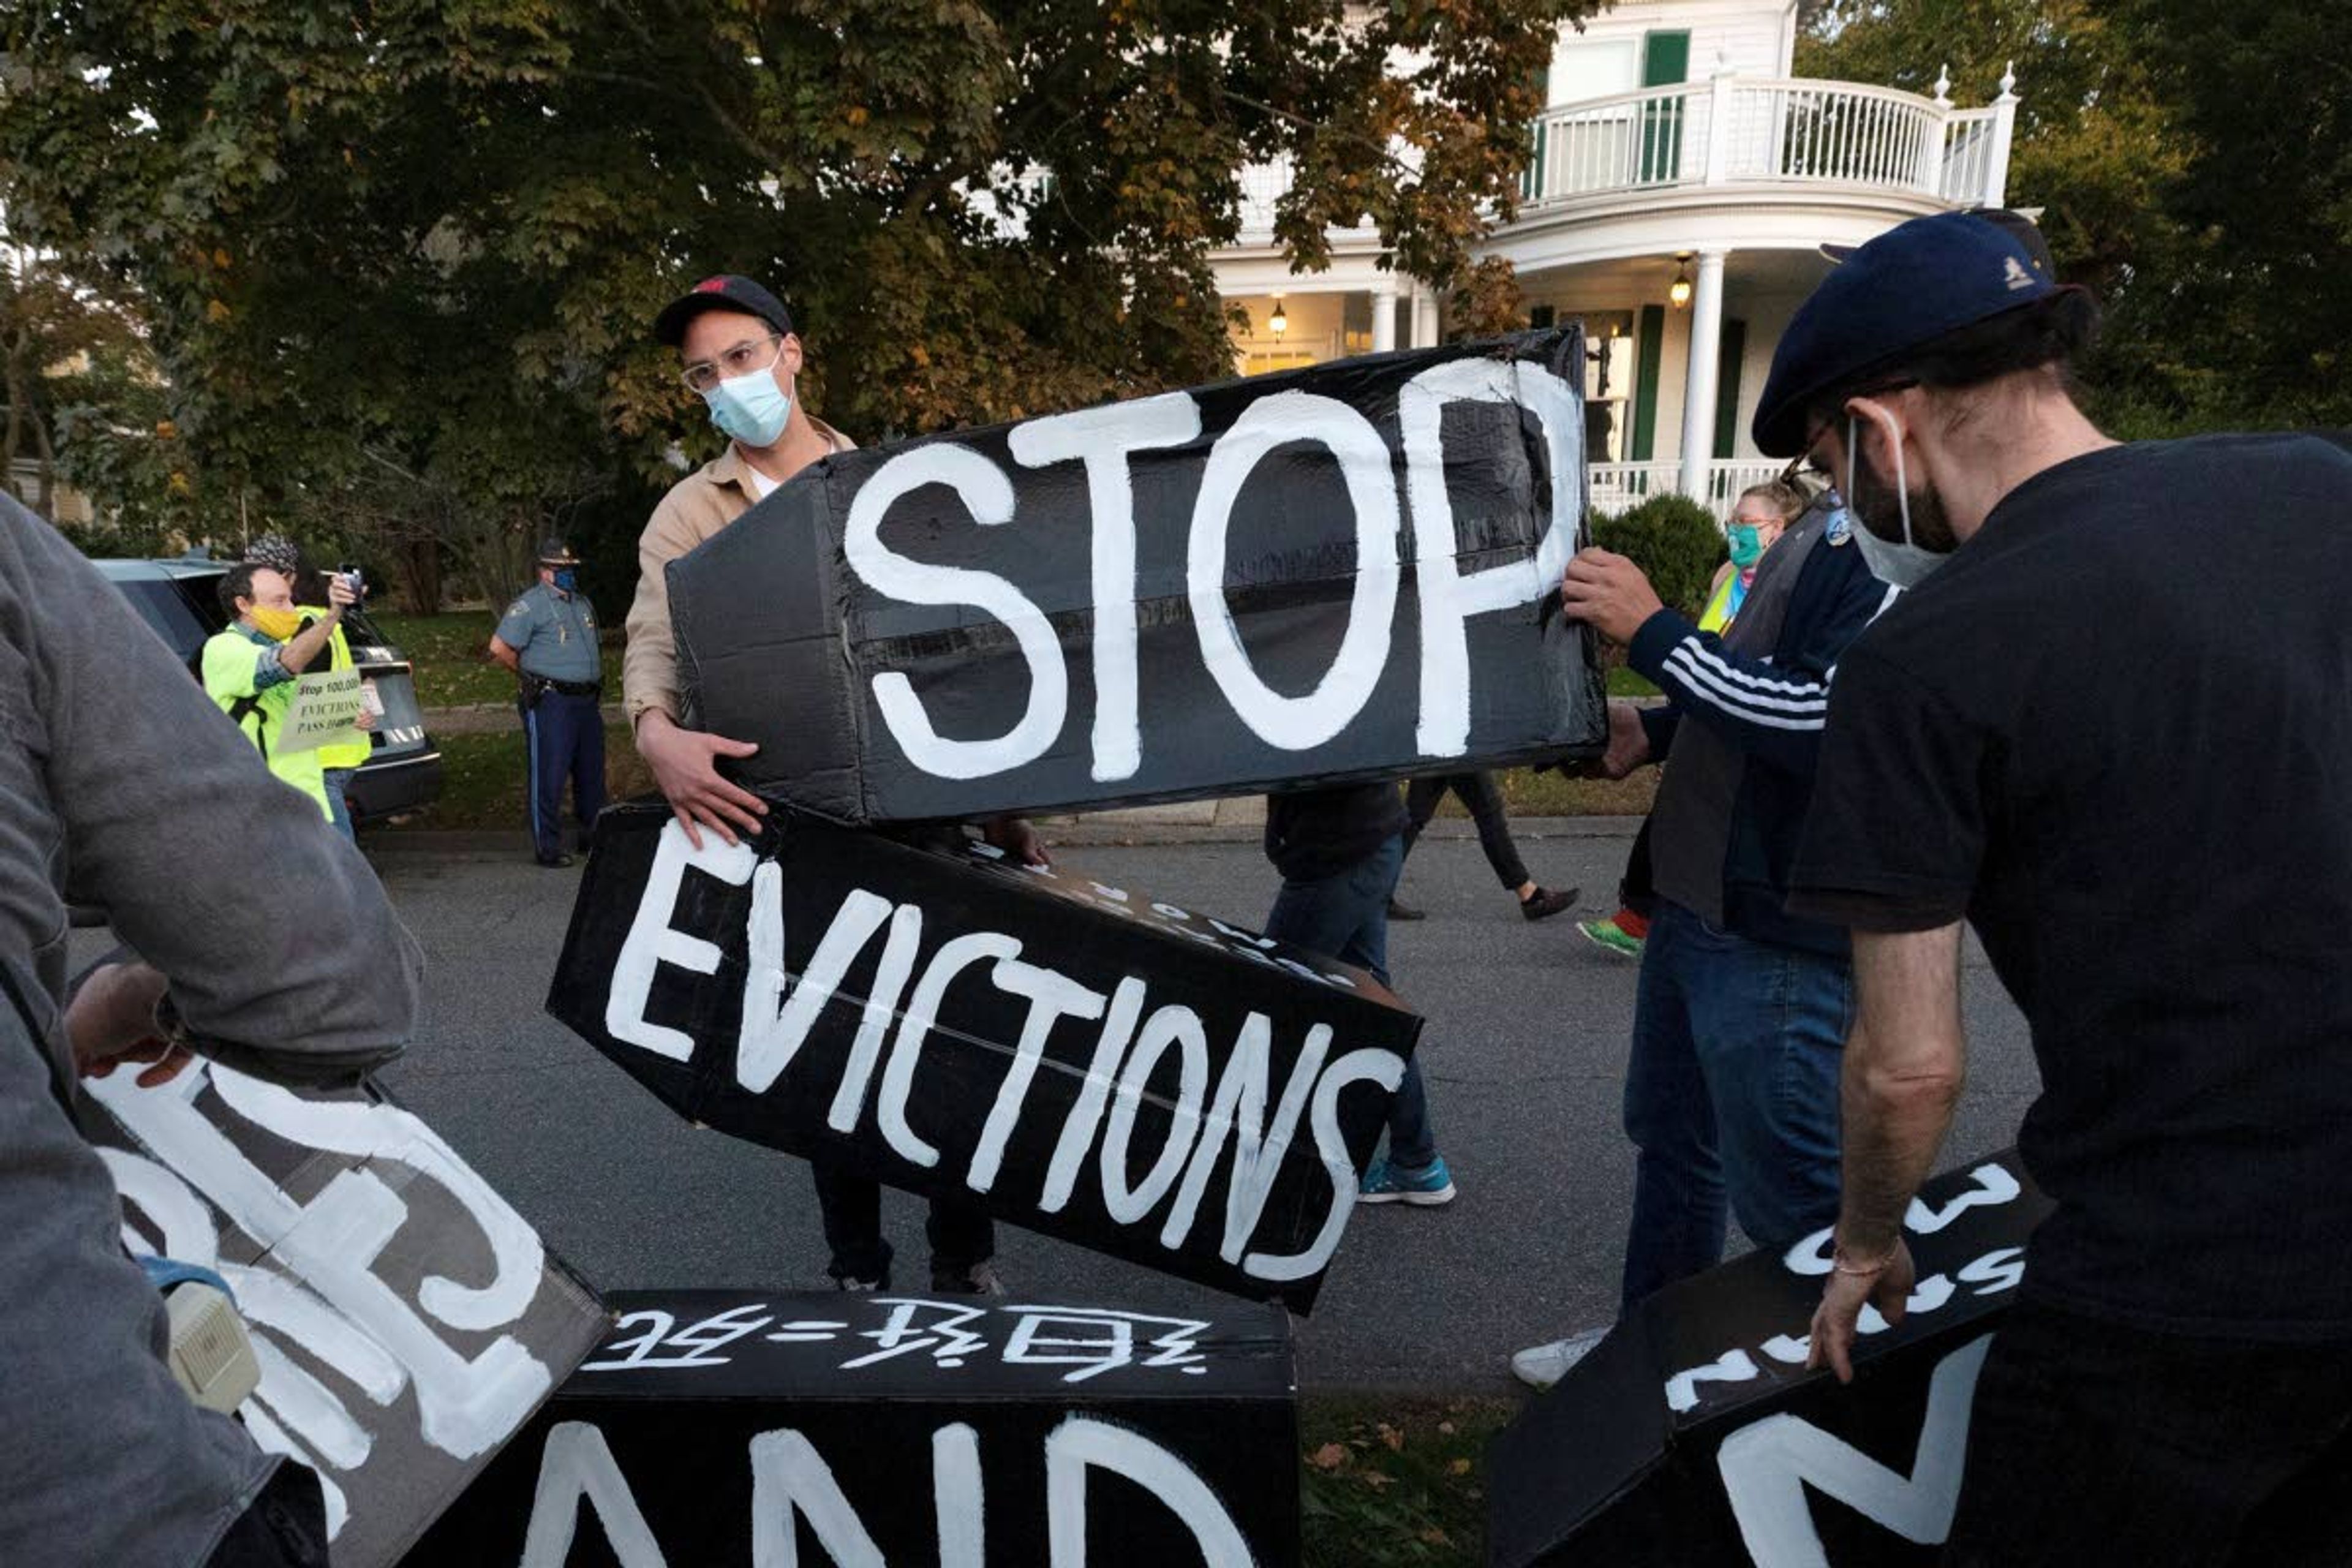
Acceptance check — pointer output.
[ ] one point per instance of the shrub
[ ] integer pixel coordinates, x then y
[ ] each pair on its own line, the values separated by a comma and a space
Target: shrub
1673, 540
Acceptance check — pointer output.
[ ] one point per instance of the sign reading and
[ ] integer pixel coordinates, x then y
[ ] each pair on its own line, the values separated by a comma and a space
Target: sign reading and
736, 1430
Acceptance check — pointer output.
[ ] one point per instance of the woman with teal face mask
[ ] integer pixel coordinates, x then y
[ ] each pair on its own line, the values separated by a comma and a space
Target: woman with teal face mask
1763, 512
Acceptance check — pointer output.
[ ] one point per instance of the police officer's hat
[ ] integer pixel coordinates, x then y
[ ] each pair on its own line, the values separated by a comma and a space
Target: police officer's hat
555, 551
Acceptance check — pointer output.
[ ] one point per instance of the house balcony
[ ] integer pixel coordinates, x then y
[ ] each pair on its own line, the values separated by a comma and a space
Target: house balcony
1730, 161
1791, 136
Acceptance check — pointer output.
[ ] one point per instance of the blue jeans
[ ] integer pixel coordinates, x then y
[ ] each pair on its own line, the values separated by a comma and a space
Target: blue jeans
1733, 1084
337, 780
1346, 915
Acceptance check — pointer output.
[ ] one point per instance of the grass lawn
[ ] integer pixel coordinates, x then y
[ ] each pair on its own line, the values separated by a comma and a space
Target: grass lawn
453, 670
482, 778
1395, 1483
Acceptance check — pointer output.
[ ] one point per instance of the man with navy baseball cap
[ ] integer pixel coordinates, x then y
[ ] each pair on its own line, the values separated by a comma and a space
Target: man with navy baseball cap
2108, 727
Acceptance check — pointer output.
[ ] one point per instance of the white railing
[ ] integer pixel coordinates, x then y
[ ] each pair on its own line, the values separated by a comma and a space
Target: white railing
1970, 143
1263, 185
1745, 130
1615, 487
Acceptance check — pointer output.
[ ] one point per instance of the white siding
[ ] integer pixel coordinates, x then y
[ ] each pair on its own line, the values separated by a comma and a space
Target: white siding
1754, 38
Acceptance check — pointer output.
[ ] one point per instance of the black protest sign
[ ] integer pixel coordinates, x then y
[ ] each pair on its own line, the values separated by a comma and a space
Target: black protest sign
1079, 1059
407, 1321
1337, 573
729, 1429
1694, 1434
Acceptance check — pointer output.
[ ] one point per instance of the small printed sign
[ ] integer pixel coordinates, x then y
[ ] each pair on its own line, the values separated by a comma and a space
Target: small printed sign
325, 712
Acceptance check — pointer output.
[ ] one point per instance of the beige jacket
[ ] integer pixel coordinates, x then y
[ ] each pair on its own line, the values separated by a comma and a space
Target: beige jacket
696, 508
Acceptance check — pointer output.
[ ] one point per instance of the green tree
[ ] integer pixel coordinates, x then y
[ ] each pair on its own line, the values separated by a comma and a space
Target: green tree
2193, 165
2246, 319
2096, 141
400, 260
54, 330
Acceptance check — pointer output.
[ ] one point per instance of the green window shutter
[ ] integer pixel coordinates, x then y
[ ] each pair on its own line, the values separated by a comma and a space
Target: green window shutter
1650, 336
1665, 63
1727, 385
1665, 58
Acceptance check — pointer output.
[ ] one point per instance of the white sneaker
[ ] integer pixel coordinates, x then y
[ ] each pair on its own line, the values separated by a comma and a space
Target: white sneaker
1540, 1366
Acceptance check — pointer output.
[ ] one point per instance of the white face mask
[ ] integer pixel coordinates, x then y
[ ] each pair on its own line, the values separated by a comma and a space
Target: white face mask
1904, 565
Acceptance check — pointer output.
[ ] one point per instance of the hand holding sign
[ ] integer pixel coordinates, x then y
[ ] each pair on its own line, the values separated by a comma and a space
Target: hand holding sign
1608, 593
1850, 1289
685, 764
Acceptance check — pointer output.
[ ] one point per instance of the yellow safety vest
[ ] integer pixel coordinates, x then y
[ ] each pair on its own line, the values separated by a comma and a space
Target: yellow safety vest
229, 661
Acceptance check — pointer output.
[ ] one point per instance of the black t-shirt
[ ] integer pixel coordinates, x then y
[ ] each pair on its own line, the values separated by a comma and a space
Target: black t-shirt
2116, 733
1311, 833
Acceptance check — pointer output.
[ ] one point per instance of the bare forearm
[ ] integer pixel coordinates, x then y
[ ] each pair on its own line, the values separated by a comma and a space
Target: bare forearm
1903, 1071
1892, 1129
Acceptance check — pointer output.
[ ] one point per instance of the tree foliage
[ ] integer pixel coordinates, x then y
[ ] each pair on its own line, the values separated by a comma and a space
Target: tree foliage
1676, 542
2193, 163
402, 256
57, 335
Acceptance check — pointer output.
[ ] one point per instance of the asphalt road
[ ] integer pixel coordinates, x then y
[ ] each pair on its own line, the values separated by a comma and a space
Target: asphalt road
1525, 1055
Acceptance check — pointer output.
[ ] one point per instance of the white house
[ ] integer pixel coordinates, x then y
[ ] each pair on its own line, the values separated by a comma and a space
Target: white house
1681, 186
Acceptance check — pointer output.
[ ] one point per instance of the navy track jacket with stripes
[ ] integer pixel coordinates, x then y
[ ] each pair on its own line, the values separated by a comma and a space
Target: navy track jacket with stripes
1771, 712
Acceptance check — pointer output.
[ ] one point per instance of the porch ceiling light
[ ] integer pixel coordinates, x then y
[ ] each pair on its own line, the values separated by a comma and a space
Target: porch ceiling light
1679, 291
1277, 323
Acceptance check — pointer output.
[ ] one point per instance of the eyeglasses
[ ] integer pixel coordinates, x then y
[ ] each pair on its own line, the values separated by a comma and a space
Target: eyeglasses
1807, 457
744, 359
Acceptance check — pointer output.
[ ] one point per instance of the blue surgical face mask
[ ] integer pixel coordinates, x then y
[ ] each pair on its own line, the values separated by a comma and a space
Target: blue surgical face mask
752, 409
1746, 545
566, 579
1901, 566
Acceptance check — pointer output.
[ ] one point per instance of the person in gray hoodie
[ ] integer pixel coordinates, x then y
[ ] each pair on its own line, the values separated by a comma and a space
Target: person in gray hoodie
262, 938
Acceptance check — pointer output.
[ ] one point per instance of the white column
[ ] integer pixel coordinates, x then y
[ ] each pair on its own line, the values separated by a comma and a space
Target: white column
1384, 298
1424, 316
2005, 132
1718, 123
1699, 384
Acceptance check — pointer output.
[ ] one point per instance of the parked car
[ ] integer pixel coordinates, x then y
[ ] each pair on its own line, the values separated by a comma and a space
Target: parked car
181, 600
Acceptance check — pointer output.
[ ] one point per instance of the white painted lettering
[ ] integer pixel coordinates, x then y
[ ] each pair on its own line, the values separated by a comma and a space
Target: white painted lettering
789, 1477
1239, 1108
890, 978
1094, 1096
1052, 996
576, 1465
1103, 439
652, 942
1448, 599
1081, 1443
1766, 1466
773, 1029
1179, 1027
1298, 723
987, 494
954, 956
1385, 1068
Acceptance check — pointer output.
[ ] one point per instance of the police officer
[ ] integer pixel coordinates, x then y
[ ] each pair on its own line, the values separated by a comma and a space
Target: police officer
548, 638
